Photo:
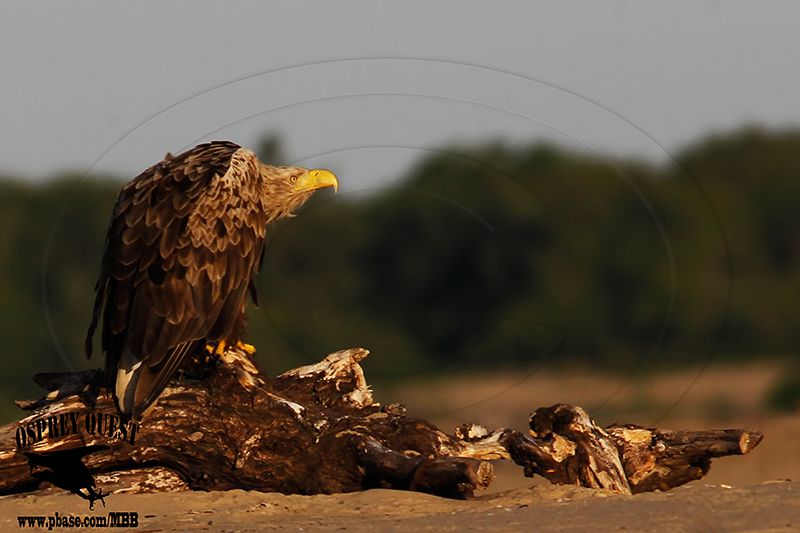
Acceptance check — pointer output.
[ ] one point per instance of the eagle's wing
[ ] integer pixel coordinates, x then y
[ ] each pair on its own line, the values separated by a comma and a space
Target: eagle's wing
184, 239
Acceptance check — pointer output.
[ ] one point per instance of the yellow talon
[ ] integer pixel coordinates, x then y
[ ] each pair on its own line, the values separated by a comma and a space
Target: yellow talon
249, 349
221, 347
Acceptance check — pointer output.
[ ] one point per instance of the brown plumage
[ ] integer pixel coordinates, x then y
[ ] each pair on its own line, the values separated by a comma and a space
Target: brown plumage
185, 239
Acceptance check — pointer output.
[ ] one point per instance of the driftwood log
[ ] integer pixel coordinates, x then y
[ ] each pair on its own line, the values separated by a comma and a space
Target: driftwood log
316, 429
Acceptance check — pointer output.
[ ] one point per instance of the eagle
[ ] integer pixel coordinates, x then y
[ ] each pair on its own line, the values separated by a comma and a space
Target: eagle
185, 239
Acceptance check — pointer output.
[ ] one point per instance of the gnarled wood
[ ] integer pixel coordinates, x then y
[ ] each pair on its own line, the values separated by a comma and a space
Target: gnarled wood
316, 429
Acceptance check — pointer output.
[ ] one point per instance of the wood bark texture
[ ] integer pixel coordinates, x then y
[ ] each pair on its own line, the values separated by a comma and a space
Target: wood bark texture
316, 429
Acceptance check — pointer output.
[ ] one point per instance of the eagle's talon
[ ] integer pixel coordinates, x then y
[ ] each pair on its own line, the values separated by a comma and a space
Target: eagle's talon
221, 347
249, 349
215, 349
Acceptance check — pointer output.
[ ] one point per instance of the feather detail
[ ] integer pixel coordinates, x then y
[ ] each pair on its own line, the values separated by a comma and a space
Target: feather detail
186, 237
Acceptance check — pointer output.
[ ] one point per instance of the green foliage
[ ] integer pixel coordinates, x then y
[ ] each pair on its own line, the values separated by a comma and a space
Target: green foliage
51, 238
784, 395
482, 256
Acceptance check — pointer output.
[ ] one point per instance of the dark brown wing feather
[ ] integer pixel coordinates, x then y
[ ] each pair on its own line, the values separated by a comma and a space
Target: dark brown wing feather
184, 240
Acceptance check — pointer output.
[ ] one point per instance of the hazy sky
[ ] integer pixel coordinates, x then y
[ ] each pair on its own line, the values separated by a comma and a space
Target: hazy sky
366, 87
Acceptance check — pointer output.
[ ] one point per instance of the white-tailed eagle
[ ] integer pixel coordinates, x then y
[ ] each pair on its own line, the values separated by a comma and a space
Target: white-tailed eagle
185, 240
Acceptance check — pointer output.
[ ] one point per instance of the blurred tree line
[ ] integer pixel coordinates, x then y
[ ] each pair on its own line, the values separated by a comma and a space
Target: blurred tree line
481, 256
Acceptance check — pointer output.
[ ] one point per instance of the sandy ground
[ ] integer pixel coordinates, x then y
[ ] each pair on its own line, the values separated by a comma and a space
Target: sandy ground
751, 493
698, 507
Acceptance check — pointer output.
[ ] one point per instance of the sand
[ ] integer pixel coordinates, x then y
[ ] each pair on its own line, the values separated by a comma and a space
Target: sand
772, 506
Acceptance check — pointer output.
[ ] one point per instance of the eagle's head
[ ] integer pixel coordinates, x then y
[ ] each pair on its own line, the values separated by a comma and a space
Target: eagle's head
287, 188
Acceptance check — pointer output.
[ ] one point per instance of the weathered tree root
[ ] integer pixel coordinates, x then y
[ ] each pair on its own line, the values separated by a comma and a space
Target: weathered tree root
316, 429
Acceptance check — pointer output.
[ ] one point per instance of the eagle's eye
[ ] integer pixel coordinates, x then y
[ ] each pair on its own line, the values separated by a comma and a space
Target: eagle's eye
293, 179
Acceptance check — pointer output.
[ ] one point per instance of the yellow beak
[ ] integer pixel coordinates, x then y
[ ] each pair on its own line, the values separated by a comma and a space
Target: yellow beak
316, 179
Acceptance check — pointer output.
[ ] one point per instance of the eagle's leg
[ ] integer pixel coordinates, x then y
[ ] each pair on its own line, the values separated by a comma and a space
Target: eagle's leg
216, 348
219, 348
249, 349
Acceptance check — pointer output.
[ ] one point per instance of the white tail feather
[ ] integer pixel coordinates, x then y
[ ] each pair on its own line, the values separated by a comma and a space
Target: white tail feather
127, 377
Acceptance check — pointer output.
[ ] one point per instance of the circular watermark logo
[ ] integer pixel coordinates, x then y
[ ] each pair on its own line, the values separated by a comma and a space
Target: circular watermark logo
451, 274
